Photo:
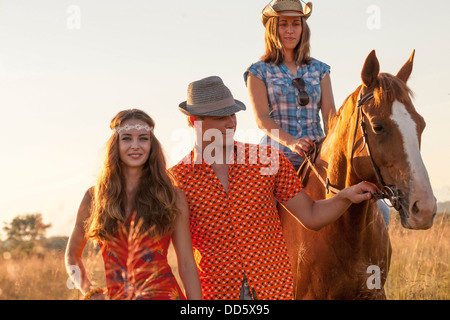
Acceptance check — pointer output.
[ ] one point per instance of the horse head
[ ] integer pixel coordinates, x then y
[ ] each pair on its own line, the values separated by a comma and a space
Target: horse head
389, 150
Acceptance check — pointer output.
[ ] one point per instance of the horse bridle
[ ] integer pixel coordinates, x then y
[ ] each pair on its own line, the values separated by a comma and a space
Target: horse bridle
388, 192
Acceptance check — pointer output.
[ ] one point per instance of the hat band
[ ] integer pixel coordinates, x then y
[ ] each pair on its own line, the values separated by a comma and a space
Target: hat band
209, 107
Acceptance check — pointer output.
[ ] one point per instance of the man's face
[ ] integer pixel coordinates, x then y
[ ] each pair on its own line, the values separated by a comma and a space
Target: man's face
216, 130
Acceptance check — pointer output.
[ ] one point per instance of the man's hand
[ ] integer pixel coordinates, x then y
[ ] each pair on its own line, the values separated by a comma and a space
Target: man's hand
359, 192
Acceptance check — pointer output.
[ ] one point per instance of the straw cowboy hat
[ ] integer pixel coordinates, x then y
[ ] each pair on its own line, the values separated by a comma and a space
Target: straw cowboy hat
210, 97
279, 8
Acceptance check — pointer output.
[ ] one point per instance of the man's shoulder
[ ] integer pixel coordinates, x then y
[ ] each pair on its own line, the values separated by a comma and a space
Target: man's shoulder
254, 146
184, 164
249, 145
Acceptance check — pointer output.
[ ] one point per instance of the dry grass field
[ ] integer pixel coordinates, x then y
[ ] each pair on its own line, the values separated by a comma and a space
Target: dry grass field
420, 263
419, 268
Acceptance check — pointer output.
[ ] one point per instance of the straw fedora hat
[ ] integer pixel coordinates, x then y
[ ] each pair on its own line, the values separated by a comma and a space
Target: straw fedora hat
210, 97
279, 8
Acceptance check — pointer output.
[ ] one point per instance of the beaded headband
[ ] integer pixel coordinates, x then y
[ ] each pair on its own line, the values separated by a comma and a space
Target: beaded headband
136, 126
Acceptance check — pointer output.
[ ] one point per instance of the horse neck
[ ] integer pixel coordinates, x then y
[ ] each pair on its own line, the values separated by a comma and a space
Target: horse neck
337, 153
337, 147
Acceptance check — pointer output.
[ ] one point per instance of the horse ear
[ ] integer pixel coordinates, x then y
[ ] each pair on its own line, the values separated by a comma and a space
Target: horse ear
406, 70
370, 69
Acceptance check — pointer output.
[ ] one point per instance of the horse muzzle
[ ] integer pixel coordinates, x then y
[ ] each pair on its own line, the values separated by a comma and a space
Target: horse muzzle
418, 214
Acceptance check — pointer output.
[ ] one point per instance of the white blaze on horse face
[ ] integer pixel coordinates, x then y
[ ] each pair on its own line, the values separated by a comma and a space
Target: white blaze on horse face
408, 130
421, 193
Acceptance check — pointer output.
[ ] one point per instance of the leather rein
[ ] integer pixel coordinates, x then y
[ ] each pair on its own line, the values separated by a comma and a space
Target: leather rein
388, 192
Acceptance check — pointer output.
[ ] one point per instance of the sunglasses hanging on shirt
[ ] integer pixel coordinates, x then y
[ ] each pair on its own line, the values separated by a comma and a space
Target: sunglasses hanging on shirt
299, 84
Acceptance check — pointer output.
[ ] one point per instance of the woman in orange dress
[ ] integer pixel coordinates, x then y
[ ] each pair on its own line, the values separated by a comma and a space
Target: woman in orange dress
134, 212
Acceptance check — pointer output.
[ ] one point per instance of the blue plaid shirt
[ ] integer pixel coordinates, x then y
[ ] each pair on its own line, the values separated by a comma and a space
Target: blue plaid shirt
296, 120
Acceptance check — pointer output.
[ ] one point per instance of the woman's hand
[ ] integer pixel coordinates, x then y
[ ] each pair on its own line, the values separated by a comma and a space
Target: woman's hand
301, 145
98, 296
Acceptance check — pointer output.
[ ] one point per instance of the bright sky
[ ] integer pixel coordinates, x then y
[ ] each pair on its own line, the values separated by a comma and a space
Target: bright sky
67, 67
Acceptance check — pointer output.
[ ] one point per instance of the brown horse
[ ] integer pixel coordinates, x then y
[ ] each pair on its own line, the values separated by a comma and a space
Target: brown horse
376, 137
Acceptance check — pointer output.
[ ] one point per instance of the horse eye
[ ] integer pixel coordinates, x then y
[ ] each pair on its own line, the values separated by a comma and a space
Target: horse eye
378, 128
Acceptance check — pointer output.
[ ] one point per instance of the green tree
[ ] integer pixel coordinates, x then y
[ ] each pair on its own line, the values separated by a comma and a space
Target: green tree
24, 230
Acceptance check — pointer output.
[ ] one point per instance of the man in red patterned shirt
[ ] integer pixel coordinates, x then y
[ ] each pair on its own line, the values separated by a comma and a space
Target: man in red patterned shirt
232, 189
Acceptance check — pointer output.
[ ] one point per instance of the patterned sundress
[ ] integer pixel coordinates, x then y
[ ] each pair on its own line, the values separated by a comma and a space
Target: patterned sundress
136, 267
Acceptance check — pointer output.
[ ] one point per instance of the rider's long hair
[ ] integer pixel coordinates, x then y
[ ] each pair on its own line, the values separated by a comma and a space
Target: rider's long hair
155, 200
274, 47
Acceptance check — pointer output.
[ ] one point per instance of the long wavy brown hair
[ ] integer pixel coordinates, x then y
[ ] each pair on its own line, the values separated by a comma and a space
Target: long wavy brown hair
155, 201
274, 47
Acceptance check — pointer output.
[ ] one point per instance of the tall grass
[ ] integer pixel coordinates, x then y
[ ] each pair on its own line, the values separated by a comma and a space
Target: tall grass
34, 277
43, 276
420, 262
419, 268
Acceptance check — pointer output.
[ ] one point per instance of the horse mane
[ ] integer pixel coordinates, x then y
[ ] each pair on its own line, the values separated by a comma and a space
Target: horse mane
389, 88
334, 119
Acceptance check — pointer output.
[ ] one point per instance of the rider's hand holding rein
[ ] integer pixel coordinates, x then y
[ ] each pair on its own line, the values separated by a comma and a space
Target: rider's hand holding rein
301, 145
315, 215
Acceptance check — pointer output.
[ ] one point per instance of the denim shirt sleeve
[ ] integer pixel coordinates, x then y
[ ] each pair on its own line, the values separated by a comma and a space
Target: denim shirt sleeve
324, 69
258, 69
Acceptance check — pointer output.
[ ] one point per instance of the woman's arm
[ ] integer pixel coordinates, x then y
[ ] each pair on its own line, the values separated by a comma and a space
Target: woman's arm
258, 97
327, 101
182, 243
75, 246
